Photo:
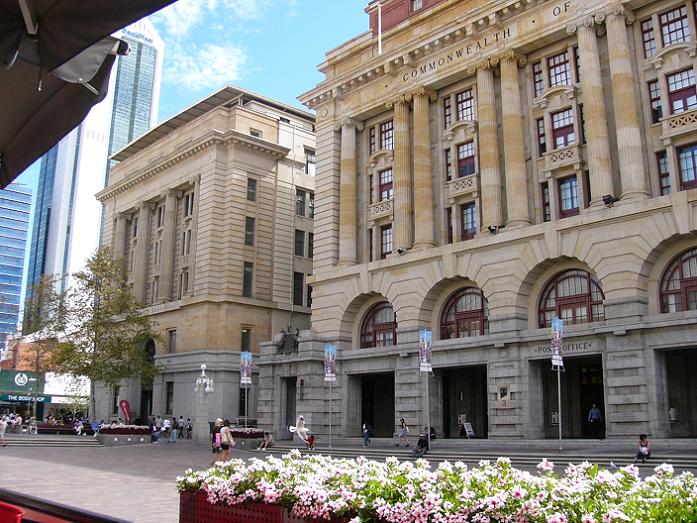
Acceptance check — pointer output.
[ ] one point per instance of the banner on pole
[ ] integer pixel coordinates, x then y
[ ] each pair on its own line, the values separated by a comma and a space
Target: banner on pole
329, 363
245, 368
425, 336
126, 408
557, 335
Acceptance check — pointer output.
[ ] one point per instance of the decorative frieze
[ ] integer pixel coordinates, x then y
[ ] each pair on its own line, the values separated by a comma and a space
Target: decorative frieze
465, 186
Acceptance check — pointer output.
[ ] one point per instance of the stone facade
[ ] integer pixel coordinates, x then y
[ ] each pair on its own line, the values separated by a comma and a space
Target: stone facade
208, 211
536, 156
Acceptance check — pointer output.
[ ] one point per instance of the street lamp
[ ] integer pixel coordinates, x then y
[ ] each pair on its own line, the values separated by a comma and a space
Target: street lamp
203, 386
204, 383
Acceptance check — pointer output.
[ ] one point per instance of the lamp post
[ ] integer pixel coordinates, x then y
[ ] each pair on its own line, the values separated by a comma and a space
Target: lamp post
203, 386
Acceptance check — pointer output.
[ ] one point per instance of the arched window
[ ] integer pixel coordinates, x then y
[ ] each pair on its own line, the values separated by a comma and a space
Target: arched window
379, 327
679, 284
574, 296
464, 315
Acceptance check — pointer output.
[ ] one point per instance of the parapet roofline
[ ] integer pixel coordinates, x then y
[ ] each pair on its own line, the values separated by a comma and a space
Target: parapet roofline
224, 96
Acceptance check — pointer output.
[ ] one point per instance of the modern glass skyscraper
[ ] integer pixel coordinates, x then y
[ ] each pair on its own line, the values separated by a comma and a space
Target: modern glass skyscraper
15, 209
68, 217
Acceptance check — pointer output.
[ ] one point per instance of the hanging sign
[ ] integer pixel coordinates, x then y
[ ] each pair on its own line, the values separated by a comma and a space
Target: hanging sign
245, 368
329, 363
425, 336
557, 335
126, 408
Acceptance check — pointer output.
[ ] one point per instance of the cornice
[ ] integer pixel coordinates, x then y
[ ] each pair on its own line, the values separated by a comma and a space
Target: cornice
210, 139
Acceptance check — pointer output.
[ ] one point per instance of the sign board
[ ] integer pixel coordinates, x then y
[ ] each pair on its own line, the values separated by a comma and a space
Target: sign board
425, 337
245, 368
329, 363
503, 398
27, 398
468, 429
557, 335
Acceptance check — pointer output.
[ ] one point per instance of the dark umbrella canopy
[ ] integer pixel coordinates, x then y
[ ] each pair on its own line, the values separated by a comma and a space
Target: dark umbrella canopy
33, 120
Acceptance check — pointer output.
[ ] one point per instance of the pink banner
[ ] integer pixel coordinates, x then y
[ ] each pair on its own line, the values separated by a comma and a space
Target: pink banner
126, 408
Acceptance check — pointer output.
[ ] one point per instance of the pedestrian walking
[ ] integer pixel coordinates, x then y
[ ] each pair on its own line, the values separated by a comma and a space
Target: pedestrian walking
3, 428
643, 449
180, 427
367, 431
402, 432
216, 443
189, 428
173, 430
595, 420
226, 440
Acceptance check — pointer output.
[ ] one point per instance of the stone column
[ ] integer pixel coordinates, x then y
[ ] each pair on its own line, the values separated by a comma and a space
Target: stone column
489, 165
348, 197
423, 174
598, 143
119, 249
168, 244
628, 128
196, 182
514, 149
140, 268
401, 177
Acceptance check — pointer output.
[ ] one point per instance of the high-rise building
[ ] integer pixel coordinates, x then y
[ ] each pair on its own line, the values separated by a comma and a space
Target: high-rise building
67, 226
15, 210
483, 168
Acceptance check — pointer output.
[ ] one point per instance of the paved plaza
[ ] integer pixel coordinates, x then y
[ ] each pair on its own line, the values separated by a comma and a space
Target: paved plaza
137, 483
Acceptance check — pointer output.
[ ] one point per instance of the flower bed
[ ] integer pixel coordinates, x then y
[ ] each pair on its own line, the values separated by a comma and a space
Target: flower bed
318, 488
246, 433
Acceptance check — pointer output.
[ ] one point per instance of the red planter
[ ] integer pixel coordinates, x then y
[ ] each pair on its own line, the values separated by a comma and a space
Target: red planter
194, 508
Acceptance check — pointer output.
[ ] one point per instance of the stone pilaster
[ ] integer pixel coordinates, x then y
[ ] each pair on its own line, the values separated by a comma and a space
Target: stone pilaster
347, 203
598, 143
194, 234
140, 268
628, 128
401, 176
489, 165
120, 236
423, 175
513, 137
168, 244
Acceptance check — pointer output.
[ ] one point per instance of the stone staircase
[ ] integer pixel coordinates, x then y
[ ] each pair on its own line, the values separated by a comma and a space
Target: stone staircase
523, 453
50, 440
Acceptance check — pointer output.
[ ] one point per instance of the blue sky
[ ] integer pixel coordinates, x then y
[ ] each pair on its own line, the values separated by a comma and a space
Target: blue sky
271, 47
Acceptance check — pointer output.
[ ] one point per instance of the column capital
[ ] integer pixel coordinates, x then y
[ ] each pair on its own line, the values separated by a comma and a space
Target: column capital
347, 121
587, 22
485, 64
616, 10
421, 91
512, 55
396, 100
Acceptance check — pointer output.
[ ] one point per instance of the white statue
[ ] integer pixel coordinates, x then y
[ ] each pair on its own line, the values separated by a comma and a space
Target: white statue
300, 429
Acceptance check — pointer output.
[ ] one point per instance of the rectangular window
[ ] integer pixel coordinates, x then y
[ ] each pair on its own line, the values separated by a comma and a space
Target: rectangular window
160, 216
387, 136
154, 289
309, 295
310, 245
311, 206
300, 202
541, 136
648, 38
249, 231
568, 197
169, 402
563, 128
186, 242
385, 241
546, 206
464, 105
371, 140
663, 173
448, 166
247, 279
371, 190
386, 190
447, 112
299, 243
582, 116
370, 245
157, 250
310, 161
134, 227
681, 91
183, 283
172, 341
577, 64
416, 5
298, 288
674, 26
655, 100
538, 80
558, 66
687, 163
469, 221
465, 159
449, 224
251, 189
188, 204
256, 133
245, 339
115, 400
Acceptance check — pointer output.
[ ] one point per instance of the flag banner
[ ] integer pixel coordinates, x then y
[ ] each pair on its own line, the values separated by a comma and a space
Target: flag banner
329, 363
126, 408
245, 368
557, 335
425, 336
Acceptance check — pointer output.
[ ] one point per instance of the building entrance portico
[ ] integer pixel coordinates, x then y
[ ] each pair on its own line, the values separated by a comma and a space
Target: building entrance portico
377, 403
464, 399
682, 392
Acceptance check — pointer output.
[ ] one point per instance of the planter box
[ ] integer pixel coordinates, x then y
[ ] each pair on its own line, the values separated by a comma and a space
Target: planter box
194, 508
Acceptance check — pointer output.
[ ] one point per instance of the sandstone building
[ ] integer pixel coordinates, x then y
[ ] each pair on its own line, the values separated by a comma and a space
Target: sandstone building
497, 165
212, 212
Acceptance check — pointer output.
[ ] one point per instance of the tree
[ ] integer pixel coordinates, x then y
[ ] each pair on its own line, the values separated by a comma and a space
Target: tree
106, 332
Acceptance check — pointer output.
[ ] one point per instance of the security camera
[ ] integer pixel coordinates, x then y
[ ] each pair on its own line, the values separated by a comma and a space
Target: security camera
401, 251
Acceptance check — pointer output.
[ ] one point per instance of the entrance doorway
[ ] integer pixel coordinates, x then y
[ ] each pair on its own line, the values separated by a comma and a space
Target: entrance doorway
290, 389
146, 386
682, 392
465, 398
581, 386
377, 403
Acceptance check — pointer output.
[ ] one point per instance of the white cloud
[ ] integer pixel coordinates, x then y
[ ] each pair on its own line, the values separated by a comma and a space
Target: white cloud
205, 67
181, 17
